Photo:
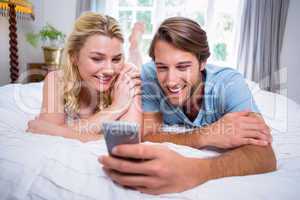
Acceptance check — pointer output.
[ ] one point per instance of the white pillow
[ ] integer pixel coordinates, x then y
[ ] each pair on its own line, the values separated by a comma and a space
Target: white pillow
19, 103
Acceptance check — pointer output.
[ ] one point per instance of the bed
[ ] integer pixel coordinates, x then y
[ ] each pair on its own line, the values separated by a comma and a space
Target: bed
45, 167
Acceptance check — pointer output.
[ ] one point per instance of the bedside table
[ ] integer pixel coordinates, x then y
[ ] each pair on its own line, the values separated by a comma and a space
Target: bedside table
36, 72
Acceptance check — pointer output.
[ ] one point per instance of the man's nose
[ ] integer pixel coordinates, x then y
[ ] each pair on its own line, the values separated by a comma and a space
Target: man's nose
172, 79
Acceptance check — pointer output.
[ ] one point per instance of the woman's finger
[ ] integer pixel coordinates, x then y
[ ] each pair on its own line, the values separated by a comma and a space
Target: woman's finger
129, 67
118, 82
135, 83
137, 92
134, 75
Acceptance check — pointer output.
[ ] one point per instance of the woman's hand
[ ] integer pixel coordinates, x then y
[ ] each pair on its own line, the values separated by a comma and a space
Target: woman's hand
39, 126
126, 87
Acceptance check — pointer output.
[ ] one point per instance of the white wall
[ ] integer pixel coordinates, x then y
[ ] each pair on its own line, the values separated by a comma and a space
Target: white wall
290, 55
61, 14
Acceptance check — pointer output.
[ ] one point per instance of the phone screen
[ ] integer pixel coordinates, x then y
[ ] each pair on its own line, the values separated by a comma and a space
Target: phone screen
120, 132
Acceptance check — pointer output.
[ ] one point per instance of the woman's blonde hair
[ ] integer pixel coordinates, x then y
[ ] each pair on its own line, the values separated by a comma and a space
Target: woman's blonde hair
88, 24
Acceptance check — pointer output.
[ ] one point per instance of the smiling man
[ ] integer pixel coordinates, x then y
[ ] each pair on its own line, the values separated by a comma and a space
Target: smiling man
215, 103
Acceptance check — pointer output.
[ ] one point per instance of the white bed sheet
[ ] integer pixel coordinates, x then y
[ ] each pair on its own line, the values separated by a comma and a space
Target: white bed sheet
45, 167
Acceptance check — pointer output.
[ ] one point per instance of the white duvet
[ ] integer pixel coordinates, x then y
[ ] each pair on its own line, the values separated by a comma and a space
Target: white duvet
45, 167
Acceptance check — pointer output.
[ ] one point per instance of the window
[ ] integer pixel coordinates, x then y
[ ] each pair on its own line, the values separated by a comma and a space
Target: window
219, 19
131, 11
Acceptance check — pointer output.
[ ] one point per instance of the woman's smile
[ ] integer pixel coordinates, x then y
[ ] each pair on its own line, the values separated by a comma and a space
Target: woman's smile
104, 79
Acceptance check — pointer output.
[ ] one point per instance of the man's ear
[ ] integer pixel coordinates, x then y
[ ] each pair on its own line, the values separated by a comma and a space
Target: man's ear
202, 65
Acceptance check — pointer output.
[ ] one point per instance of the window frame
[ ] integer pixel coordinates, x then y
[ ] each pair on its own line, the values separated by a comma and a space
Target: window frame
157, 17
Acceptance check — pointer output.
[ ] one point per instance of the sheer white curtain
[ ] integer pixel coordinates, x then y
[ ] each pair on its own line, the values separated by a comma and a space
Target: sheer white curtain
261, 36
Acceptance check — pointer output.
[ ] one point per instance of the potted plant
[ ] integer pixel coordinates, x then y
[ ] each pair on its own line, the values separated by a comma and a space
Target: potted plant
52, 43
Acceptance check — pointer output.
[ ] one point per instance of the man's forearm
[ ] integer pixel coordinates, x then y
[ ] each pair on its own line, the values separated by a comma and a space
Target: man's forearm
192, 139
196, 138
225, 133
245, 160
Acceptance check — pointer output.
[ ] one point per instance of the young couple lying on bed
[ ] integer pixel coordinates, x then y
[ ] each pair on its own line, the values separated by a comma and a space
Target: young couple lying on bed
96, 85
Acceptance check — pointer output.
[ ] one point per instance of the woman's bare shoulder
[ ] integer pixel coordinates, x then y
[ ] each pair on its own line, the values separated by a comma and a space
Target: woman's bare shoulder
55, 75
54, 80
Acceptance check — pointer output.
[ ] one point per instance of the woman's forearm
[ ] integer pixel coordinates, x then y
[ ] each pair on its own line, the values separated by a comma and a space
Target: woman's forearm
67, 132
134, 113
93, 124
83, 137
90, 129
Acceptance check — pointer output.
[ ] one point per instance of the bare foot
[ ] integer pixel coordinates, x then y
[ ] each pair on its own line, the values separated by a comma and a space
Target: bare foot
136, 34
135, 55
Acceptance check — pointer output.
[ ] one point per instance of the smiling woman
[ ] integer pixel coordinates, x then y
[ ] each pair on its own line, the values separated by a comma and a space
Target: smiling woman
104, 53
88, 90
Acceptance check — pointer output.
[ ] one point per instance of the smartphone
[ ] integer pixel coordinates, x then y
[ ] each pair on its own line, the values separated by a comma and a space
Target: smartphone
120, 132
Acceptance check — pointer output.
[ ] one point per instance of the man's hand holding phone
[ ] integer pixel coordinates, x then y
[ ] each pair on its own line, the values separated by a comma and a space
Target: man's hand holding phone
120, 132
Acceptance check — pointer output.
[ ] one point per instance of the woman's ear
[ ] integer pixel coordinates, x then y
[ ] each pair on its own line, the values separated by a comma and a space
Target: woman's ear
74, 59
